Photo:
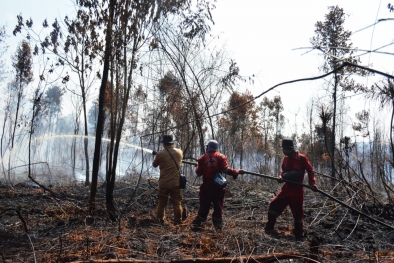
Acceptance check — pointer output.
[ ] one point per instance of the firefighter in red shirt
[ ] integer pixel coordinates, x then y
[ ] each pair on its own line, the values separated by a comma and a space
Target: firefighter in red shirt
294, 166
207, 165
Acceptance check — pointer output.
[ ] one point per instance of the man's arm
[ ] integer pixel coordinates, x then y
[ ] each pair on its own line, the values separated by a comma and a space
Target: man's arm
228, 170
156, 161
199, 165
311, 172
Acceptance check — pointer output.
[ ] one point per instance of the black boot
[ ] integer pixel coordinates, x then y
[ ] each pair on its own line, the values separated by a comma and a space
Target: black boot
197, 223
218, 223
185, 213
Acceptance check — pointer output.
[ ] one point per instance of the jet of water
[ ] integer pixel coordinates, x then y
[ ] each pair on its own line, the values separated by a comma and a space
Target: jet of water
90, 137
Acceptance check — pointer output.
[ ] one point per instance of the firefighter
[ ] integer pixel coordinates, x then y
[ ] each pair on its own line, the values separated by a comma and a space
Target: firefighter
294, 166
169, 179
207, 165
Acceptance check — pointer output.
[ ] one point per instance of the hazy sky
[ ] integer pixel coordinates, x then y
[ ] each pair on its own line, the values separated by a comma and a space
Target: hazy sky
264, 38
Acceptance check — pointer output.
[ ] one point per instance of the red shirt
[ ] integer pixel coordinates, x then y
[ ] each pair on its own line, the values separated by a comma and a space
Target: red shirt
219, 163
301, 163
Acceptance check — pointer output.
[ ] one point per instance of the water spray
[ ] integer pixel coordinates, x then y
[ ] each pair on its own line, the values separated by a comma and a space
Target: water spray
90, 137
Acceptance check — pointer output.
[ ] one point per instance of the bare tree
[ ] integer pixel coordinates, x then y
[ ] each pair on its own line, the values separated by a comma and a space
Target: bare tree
3, 50
384, 94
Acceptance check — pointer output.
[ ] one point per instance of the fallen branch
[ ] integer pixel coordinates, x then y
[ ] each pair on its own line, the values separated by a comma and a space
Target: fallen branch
20, 217
325, 194
274, 257
317, 190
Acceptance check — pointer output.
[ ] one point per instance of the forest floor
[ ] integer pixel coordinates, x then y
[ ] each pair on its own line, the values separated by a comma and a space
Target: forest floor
42, 226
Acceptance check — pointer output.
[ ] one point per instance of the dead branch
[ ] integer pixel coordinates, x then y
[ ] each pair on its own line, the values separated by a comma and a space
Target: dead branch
20, 217
274, 257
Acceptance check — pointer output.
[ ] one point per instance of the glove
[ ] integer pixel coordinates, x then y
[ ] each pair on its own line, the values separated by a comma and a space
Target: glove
314, 188
154, 152
239, 172
280, 180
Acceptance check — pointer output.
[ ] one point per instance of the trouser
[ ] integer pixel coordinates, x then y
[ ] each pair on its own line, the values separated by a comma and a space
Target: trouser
210, 195
279, 204
176, 197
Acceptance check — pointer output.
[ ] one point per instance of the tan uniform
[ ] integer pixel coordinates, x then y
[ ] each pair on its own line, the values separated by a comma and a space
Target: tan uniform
169, 182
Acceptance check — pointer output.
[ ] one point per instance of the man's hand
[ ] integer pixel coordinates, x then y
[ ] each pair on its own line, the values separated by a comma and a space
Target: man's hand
239, 172
154, 152
314, 188
280, 180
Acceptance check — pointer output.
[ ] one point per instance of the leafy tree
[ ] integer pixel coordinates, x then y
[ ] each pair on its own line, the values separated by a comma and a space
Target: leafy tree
200, 74
135, 20
92, 116
22, 62
78, 50
53, 98
334, 41
238, 120
100, 118
172, 107
275, 107
22, 65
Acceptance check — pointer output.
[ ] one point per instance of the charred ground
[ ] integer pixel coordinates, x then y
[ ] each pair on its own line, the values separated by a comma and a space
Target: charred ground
39, 226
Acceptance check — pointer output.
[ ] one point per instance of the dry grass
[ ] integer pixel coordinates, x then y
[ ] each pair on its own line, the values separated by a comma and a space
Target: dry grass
59, 229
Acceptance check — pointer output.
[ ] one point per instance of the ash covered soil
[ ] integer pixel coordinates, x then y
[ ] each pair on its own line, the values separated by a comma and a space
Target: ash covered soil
41, 226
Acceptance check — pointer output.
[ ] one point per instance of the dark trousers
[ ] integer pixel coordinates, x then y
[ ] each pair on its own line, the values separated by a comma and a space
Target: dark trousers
210, 195
279, 204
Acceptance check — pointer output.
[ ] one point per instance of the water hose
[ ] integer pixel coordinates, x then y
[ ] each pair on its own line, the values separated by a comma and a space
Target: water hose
316, 190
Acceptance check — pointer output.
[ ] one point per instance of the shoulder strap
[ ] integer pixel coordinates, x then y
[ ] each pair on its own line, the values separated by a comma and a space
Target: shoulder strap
173, 160
213, 168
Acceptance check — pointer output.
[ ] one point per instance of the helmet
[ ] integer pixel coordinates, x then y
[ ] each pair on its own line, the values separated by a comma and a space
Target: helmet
212, 145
